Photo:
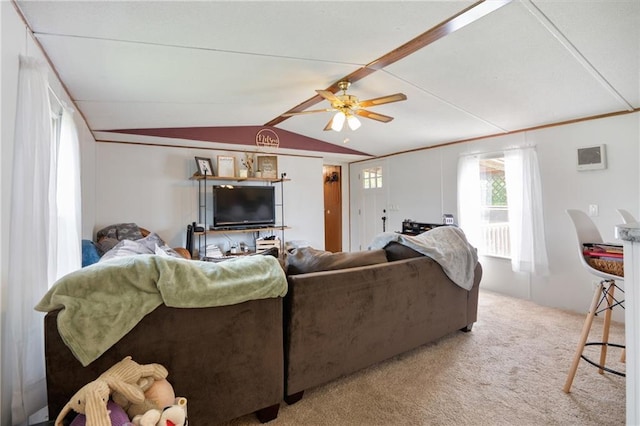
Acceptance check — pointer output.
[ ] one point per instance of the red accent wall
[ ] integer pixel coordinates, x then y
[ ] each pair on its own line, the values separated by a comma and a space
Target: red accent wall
241, 135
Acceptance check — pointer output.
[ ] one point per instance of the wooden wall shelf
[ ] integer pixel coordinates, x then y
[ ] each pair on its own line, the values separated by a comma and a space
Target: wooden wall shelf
242, 231
237, 179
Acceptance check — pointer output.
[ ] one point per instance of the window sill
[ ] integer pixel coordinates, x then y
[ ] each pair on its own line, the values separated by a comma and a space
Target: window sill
495, 256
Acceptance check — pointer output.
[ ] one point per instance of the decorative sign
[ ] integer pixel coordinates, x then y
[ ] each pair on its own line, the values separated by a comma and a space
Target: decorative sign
268, 165
226, 166
267, 137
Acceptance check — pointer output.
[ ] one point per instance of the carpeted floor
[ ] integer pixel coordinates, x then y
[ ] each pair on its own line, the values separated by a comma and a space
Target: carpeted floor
509, 370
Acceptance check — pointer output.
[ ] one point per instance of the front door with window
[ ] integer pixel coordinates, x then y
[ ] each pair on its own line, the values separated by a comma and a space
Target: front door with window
373, 202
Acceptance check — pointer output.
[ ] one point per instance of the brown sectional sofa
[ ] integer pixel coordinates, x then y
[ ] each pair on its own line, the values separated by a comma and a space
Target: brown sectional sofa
233, 360
226, 360
340, 321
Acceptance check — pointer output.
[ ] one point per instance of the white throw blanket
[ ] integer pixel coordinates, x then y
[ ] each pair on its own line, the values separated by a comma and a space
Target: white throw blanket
447, 245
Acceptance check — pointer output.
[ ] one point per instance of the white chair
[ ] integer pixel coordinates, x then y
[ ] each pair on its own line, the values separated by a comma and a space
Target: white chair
587, 232
626, 216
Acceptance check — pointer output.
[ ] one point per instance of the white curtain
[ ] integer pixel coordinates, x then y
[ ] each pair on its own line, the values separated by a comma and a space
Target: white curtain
526, 224
524, 194
69, 242
469, 198
29, 237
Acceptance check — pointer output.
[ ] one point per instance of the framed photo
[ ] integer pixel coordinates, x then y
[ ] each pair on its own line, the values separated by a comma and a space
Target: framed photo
268, 165
226, 166
205, 168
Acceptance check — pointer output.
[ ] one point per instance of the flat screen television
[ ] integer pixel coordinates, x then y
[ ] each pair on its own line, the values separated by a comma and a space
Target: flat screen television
243, 206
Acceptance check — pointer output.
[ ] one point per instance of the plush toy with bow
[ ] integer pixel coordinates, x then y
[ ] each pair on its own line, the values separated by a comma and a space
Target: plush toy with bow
124, 377
173, 415
157, 394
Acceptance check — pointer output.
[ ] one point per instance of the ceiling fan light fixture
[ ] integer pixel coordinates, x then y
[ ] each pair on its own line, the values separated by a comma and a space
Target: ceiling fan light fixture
353, 122
348, 106
338, 121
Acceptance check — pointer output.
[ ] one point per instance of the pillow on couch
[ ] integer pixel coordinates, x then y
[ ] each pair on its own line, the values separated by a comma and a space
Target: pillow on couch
157, 245
397, 251
151, 244
105, 244
120, 231
307, 259
90, 253
126, 248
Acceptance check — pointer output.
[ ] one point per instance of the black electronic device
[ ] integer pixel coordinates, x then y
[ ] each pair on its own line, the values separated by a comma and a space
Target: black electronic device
409, 227
189, 239
238, 207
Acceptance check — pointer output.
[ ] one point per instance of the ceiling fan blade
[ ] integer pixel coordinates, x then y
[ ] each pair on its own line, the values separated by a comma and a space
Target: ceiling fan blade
328, 95
374, 115
329, 124
383, 100
311, 111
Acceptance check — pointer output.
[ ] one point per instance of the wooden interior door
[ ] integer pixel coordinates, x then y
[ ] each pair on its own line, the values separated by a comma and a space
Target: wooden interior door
332, 176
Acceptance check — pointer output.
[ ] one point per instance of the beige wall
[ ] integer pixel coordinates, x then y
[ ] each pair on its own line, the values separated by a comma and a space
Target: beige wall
150, 186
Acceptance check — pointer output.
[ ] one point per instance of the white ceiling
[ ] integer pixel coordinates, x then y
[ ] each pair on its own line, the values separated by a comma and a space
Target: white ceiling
158, 64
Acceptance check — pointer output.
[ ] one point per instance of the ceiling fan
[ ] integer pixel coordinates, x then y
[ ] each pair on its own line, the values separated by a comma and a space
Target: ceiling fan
348, 106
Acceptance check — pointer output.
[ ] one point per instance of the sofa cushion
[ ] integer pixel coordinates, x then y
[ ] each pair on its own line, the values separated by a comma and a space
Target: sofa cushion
396, 251
307, 259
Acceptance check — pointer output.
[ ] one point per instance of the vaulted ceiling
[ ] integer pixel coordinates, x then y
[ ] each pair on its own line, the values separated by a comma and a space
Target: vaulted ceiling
214, 73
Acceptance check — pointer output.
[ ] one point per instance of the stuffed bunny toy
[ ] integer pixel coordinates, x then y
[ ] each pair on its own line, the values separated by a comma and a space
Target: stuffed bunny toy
124, 378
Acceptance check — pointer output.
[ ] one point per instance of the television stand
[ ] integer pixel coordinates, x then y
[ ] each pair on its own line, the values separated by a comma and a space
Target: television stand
201, 242
242, 230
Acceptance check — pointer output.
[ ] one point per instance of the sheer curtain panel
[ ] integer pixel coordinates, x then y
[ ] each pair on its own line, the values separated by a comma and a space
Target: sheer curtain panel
524, 194
469, 198
69, 241
526, 223
32, 197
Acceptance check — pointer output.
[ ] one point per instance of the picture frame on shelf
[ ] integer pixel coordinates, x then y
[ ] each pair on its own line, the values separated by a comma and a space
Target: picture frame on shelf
205, 167
268, 165
226, 166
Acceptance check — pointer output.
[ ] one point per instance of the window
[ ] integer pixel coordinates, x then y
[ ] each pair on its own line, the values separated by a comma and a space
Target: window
494, 208
500, 207
372, 178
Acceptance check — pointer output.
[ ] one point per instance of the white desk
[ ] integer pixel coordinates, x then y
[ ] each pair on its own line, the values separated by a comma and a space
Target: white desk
630, 235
